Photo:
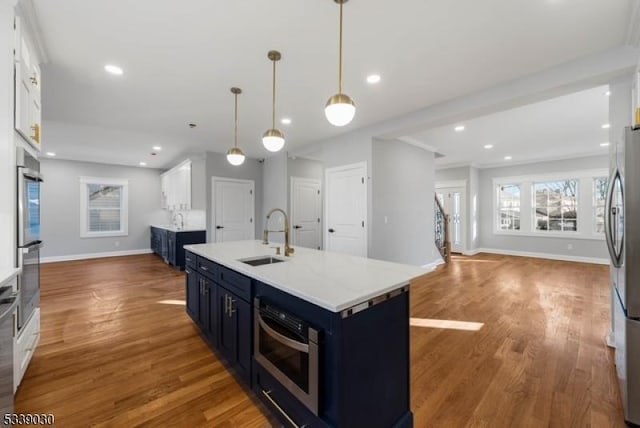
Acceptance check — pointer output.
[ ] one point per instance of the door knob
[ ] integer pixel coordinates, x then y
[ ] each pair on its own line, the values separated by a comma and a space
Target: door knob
297, 227
219, 227
331, 230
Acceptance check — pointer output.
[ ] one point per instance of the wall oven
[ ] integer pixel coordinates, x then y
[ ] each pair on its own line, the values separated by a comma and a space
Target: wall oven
29, 243
287, 348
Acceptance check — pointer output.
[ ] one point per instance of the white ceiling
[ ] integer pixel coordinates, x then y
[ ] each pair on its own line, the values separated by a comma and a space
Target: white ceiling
563, 127
181, 58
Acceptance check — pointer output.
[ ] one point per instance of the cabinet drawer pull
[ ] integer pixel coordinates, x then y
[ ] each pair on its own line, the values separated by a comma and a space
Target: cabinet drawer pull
204, 268
280, 409
226, 304
231, 310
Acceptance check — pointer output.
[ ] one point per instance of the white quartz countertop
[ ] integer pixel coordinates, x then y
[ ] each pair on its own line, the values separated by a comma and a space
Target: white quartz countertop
7, 275
172, 228
330, 280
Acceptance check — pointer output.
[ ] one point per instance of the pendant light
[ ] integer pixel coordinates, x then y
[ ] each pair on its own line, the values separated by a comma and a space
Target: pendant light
273, 139
340, 108
235, 155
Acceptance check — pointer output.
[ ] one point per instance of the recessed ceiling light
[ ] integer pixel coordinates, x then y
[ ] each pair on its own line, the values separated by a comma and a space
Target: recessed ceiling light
286, 121
142, 164
372, 79
52, 154
606, 94
604, 144
508, 158
459, 128
488, 146
113, 69
157, 148
606, 126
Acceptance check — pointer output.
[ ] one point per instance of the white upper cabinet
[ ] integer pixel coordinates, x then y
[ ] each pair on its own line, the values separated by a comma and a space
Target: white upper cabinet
183, 186
28, 120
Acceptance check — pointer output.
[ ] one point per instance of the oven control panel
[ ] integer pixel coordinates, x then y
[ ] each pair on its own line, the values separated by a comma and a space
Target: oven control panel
285, 319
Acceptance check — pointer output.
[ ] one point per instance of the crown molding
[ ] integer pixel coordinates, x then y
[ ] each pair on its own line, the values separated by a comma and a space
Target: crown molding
633, 28
27, 11
418, 143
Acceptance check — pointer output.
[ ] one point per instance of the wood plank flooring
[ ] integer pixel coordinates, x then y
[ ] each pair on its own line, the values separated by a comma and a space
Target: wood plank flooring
118, 349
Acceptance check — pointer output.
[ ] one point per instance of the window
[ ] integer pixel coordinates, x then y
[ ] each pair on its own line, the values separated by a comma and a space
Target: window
556, 206
600, 185
103, 207
509, 207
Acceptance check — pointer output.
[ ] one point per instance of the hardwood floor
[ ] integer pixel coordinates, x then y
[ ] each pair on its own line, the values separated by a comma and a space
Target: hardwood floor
117, 351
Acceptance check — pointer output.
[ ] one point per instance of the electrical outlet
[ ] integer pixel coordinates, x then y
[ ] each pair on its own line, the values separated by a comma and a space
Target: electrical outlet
569, 246
386, 219
117, 243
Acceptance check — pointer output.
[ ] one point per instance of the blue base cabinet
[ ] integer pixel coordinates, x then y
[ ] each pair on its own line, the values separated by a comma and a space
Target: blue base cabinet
363, 370
218, 302
170, 245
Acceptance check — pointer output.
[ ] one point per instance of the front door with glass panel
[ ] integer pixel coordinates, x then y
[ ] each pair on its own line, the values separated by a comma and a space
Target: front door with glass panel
452, 200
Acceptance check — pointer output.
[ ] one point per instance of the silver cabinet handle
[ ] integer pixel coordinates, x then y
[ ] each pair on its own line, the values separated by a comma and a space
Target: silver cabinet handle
204, 268
226, 304
280, 409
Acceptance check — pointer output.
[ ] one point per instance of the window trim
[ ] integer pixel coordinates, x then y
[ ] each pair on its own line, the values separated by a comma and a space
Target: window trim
84, 208
585, 207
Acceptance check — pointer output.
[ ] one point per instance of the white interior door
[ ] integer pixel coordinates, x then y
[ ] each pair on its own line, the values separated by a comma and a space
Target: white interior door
233, 209
306, 208
452, 199
346, 209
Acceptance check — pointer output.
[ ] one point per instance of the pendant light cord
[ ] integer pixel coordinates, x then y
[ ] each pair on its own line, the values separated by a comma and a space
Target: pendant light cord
235, 130
340, 64
273, 110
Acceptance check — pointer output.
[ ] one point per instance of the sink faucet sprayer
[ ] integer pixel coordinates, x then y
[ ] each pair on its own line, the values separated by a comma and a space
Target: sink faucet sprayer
288, 250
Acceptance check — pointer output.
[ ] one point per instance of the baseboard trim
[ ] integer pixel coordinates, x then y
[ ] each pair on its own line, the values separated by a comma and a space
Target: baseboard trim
433, 265
563, 257
56, 259
471, 252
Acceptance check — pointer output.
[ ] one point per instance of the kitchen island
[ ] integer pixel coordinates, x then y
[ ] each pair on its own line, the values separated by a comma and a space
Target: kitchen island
322, 338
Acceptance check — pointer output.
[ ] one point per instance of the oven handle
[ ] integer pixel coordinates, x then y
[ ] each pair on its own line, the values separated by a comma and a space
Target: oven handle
31, 247
32, 174
11, 306
298, 346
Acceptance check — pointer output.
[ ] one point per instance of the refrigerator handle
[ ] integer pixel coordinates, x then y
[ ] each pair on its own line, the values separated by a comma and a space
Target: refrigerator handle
608, 226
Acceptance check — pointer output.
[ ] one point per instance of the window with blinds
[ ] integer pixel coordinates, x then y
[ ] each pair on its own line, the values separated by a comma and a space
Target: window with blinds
103, 207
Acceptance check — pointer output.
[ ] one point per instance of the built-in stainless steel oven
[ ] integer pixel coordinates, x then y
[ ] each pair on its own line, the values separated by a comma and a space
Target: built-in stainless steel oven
287, 347
29, 181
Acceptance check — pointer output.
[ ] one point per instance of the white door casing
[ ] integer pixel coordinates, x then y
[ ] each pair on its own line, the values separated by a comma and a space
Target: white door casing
346, 209
233, 209
453, 203
306, 211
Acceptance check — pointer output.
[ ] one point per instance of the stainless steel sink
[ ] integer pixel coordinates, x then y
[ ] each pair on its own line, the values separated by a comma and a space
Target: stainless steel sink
262, 260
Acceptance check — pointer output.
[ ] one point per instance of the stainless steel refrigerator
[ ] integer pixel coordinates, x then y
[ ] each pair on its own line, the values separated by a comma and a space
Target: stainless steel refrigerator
622, 230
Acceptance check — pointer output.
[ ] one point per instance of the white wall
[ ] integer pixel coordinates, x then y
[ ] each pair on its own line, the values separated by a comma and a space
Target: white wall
403, 198
251, 169
582, 248
7, 151
60, 208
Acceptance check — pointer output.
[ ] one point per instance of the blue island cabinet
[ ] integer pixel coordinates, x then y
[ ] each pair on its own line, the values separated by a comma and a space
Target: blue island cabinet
363, 353
218, 302
364, 378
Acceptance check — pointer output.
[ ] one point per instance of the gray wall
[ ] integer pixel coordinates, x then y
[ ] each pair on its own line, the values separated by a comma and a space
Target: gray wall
251, 169
275, 193
403, 183
555, 246
61, 207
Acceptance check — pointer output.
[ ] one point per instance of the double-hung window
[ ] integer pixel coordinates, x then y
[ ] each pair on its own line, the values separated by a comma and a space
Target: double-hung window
566, 204
556, 205
103, 207
600, 185
509, 207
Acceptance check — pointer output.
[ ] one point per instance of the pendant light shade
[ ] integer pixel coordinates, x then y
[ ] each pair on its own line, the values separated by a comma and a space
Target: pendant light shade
234, 155
273, 139
340, 109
